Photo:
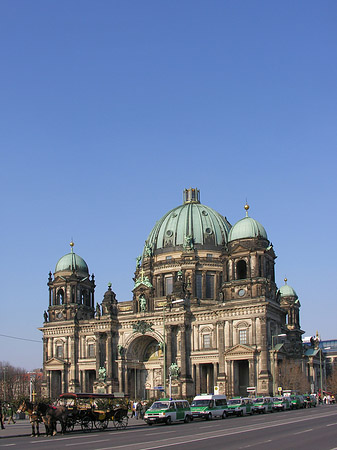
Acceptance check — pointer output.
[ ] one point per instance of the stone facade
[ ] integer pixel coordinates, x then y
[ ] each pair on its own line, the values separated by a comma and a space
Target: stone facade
208, 303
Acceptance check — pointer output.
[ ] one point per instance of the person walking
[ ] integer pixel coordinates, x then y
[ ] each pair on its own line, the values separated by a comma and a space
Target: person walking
10, 411
1, 417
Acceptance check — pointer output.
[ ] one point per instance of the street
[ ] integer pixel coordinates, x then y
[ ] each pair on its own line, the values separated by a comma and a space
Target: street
309, 429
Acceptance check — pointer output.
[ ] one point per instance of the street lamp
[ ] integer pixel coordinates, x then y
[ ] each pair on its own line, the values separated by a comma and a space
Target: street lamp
320, 368
164, 338
273, 348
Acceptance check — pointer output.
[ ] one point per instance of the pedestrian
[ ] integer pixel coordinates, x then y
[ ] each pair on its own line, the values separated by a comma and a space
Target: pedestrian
10, 411
138, 410
1, 418
142, 410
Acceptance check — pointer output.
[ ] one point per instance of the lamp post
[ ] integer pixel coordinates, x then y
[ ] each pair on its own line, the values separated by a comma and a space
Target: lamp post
273, 349
164, 340
320, 368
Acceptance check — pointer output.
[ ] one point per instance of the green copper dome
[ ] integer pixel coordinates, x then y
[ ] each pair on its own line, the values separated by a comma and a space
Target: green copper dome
191, 222
71, 262
287, 291
247, 228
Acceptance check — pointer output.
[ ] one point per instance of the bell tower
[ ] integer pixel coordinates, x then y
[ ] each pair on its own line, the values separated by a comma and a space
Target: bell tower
71, 290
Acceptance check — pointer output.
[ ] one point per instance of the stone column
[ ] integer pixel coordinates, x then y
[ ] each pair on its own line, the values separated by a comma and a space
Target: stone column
50, 347
109, 356
264, 374
183, 350
230, 333
221, 348
253, 331
197, 379
126, 384
168, 331
45, 350
120, 376
98, 353
215, 374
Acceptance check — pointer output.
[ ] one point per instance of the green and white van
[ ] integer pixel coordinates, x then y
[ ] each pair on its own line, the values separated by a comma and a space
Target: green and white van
208, 406
240, 406
263, 404
168, 411
281, 403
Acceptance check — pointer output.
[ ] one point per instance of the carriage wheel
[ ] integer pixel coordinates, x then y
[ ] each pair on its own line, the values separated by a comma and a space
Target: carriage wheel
101, 424
86, 424
70, 424
120, 422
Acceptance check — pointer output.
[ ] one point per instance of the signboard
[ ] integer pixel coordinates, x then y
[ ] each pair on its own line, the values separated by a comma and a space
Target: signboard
159, 388
216, 390
279, 389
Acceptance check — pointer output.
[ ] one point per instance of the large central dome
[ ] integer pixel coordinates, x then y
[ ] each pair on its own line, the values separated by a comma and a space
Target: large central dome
206, 227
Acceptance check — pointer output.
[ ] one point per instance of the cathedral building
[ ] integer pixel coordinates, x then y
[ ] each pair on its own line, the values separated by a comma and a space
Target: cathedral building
205, 315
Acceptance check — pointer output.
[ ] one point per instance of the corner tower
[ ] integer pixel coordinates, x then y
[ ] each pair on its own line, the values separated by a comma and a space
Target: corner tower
71, 291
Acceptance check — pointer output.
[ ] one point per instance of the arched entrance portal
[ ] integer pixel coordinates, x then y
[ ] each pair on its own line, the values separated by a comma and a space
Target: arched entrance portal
144, 365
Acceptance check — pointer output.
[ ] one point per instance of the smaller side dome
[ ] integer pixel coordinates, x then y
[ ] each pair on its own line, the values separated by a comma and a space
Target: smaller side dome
71, 262
247, 228
287, 291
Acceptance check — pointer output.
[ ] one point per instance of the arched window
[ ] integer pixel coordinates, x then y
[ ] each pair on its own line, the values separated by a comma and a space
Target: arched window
241, 270
210, 278
60, 297
168, 284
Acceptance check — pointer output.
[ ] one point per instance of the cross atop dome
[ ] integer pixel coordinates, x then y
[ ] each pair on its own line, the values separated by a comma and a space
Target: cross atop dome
191, 195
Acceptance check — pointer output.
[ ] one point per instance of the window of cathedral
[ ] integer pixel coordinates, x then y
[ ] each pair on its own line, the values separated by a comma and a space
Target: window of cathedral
241, 270
59, 351
91, 350
60, 297
210, 285
243, 337
206, 341
168, 285
209, 256
198, 285
168, 258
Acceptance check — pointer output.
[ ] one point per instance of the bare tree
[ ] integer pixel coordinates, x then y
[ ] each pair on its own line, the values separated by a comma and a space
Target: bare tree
291, 376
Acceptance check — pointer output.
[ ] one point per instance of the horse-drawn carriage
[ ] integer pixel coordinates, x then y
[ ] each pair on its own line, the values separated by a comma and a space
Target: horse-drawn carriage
95, 410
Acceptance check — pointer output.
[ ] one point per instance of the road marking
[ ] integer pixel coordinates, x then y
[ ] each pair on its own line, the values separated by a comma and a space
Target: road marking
91, 442
331, 425
257, 443
207, 436
7, 445
304, 431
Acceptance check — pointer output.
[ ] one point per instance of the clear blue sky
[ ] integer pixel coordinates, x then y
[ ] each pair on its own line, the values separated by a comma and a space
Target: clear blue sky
109, 109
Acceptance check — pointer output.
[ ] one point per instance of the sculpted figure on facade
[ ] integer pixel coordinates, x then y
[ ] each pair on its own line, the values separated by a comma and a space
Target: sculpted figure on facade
188, 243
142, 303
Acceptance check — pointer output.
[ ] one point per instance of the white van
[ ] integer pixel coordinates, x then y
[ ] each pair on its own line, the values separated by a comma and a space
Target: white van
208, 406
168, 411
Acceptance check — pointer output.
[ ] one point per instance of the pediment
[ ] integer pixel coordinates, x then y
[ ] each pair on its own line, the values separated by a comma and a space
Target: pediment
239, 351
239, 248
55, 363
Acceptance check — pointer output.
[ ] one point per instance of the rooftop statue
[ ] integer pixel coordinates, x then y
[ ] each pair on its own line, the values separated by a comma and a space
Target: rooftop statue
188, 243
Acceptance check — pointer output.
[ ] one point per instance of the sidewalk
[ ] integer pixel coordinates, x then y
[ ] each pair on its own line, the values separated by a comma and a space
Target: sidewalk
23, 427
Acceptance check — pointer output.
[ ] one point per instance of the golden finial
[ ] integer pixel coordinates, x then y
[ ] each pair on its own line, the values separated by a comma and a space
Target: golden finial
285, 280
72, 245
246, 208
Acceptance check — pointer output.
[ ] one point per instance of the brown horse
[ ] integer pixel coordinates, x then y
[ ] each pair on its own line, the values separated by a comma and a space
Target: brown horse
51, 415
34, 416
